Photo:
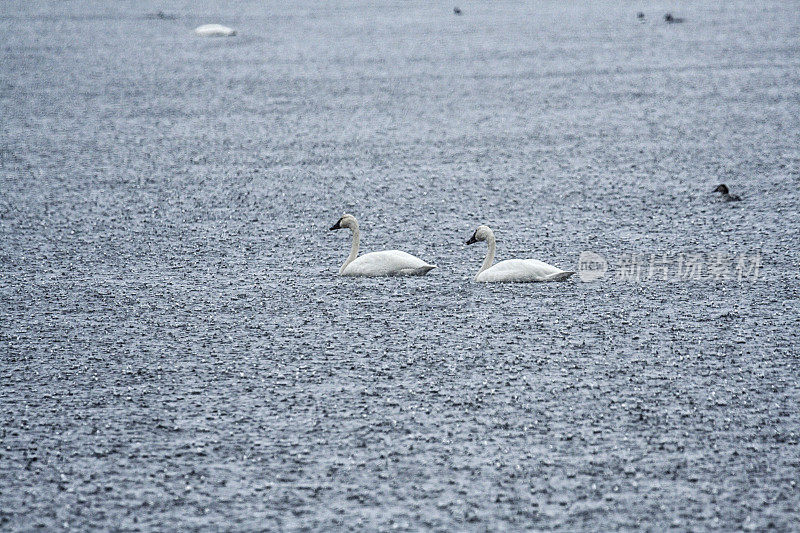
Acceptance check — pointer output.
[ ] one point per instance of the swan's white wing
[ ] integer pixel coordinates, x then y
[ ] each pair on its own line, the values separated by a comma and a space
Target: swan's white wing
522, 270
387, 263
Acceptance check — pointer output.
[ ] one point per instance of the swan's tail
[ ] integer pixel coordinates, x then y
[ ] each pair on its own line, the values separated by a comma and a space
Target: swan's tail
559, 276
421, 271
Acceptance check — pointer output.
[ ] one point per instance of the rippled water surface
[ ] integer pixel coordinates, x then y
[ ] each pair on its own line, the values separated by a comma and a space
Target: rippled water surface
176, 350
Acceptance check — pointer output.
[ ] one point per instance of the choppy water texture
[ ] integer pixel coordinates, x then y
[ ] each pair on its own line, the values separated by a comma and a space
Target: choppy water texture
177, 351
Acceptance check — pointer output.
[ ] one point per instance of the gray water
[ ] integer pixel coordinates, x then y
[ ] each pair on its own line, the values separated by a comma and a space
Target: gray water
177, 351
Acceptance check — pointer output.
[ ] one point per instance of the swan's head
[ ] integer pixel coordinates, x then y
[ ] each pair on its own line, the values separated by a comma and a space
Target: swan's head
347, 221
721, 188
481, 234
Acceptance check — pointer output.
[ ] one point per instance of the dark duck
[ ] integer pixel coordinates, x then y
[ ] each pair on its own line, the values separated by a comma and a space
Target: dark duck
726, 195
669, 19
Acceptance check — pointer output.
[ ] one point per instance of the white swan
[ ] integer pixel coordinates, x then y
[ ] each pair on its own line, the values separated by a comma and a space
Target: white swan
387, 263
214, 30
519, 270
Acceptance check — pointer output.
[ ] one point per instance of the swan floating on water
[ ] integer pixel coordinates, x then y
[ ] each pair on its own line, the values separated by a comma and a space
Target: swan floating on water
512, 270
386, 263
214, 30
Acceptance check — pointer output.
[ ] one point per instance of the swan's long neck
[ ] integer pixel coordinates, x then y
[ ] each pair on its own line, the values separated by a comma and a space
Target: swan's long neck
353, 248
489, 253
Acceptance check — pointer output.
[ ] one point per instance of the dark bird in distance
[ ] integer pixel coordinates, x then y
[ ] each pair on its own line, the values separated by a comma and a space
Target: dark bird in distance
160, 15
672, 20
726, 195
457, 10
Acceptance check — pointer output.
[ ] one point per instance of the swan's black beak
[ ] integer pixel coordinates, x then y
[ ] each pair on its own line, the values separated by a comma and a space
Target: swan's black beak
335, 226
472, 240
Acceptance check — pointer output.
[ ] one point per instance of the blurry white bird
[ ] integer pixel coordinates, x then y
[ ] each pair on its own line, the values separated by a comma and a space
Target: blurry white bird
214, 30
